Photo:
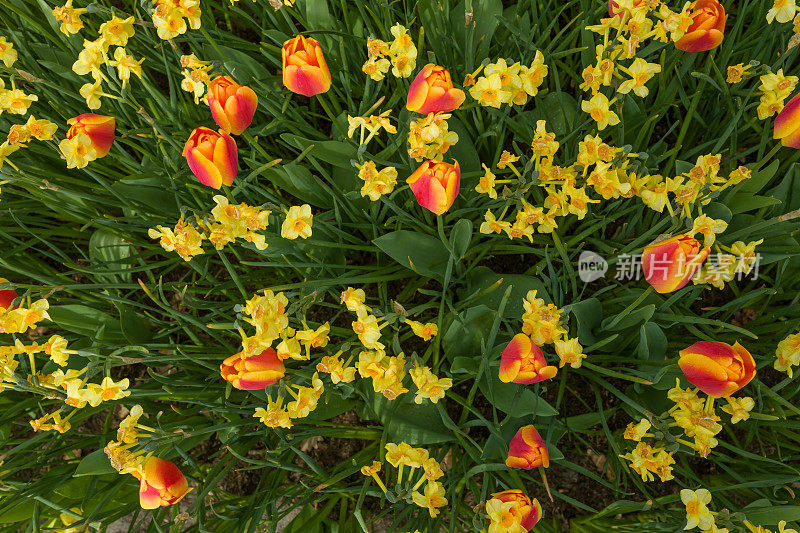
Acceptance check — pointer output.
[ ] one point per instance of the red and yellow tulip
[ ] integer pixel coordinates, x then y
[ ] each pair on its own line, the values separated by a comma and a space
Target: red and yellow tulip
304, 68
526, 512
717, 368
432, 91
212, 157
99, 129
7, 296
161, 483
254, 372
232, 105
669, 264
523, 362
527, 450
435, 185
787, 124
707, 29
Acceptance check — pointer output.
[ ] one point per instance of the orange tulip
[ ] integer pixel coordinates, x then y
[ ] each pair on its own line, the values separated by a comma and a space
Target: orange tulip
232, 105
160, 484
527, 450
6, 297
435, 185
212, 157
670, 264
787, 124
99, 129
304, 68
717, 368
254, 372
526, 511
707, 29
523, 362
432, 91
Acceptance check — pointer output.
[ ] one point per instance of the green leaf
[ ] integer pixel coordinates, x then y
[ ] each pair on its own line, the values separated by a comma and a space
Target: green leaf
424, 254
406, 421
108, 250
588, 316
336, 153
468, 331
94, 464
318, 15
770, 516
87, 321
298, 181
460, 237
484, 279
652, 342
514, 399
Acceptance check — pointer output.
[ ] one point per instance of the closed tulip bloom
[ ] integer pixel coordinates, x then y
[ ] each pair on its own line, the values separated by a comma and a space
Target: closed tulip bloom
707, 29
717, 368
523, 362
99, 129
212, 157
432, 91
232, 105
527, 450
435, 185
6, 297
787, 124
254, 372
161, 484
526, 512
304, 68
670, 264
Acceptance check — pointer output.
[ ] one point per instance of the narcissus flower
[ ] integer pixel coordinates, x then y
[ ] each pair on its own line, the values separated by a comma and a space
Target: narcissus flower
717, 368
527, 450
669, 264
212, 157
304, 68
787, 124
523, 362
254, 372
99, 129
7, 296
78, 150
232, 105
298, 222
432, 91
511, 508
162, 484
697, 514
707, 29
435, 185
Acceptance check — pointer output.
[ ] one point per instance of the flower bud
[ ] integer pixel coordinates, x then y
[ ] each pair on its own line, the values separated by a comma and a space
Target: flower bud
523, 362
304, 68
212, 157
432, 91
232, 105
99, 129
435, 185
254, 372
527, 450
161, 484
669, 264
717, 368
707, 29
6, 297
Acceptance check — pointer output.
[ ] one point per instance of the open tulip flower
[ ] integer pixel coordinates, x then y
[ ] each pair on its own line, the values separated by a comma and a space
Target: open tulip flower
527, 450
304, 68
717, 368
432, 91
707, 29
99, 129
212, 157
669, 265
254, 372
523, 362
435, 185
787, 124
232, 105
161, 484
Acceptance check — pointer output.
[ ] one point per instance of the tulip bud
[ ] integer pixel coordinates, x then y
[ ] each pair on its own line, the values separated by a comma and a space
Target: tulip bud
432, 91
304, 69
526, 511
435, 185
717, 368
99, 129
161, 484
6, 297
212, 157
707, 29
254, 372
787, 124
669, 264
523, 362
527, 450
232, 105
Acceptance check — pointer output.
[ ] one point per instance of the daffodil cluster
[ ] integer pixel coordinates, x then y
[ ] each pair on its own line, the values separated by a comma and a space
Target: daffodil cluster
20, 134
502, 83
400, 55
69, 17
169, 15
646, 461
775, 88
185, 239
377, 182
196, 76
305, 401
370, 125
119, 452
787, 354
429, 137
237, 221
